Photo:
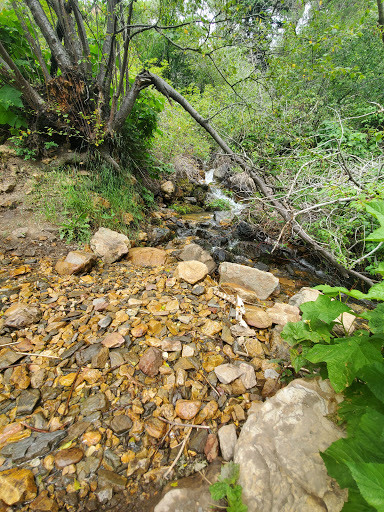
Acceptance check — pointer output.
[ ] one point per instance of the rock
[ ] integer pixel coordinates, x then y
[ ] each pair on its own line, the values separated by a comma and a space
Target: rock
160, 236
17, 486
248, 376
282, 313
139, 331
211, 327
272, 474
221, 172
198, 290
113, 339
305, 294
210, 362
226, 373
68, 456
191, 271
21, 315
105, 322
43, 503
37, 445
109, 481
85, 356
76, 262
109, 245
257, 317
211, 448
155, 428
263, 284
121, 424
242, 183
147, 256
198, 441
91, 438
168, 189
254, 347
169, 345
100, 304
27, 401
196, 253
344, 323
151, 361
93, 403
100, 359
20, 378
187, 409
8, 357
227, 439
8, 186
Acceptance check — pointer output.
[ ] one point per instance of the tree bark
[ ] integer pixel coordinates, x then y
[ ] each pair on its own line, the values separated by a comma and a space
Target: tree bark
380, 9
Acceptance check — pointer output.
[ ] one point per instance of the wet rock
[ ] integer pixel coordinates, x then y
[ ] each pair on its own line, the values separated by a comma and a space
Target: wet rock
193, 252
17, 486
263, 284
151, 361
282, 313
27, 401
198, 441
161, 236
91, 438
227, 439
68, 456
221, 172
76, 262
121, 424
191, 271
271, 473
257, 317
107, 482
97, 402
187, 409
21, 315
147, 256
109, 245
226, 373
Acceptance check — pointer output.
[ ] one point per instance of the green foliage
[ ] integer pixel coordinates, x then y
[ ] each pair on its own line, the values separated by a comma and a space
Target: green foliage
227, 488
182, 209
11, 107
75, 228
354, 365
218, 204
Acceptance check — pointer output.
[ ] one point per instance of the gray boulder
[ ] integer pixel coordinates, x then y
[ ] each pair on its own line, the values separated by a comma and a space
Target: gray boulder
278, 451
262, 284
221, 172
109, 245
242, 183
196, 253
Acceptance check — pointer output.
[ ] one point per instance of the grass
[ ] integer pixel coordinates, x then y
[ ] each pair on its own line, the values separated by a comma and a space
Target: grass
79, 202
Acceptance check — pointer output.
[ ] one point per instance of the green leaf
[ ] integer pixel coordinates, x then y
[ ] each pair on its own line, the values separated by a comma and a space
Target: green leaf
324, 309
297, 332
375, 319
369, 477
346, 357
10, 97
219, 490
373, 375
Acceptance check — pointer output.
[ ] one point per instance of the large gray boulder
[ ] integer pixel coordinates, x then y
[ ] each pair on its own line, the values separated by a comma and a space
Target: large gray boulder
242, 183
278, 451
197, 253
262, 284
109, 245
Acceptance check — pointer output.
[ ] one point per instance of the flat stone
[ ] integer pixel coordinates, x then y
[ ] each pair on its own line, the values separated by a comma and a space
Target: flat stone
76, 262
211, 448
85, 356
113, 339
100, 359
263, 284
121, 424
272, 474
169, 345
283, 313
248, 376
257, 317
151, 361
110, 479
187, 409
226, 373
68, 456
305, 294
100, 304
253, 347
198, 290
211, 327
109, 245
105, 322
17, 486
8, 357
155, 428
147, 256
43, 503
93, 403
191, 271
227, 439
198, 441
21, 315
27, 401
193, 252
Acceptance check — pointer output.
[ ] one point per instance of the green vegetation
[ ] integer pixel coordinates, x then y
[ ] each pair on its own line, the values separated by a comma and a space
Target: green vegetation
354, 365
218, 204
226, 488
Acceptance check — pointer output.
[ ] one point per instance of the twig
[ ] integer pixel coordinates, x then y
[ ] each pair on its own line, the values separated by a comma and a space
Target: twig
367, 255
42, 430
10, 344
207, 381
190, 425
180, 451
70, 393
37, 355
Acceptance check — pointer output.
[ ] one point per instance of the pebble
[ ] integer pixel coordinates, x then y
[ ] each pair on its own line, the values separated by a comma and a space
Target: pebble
27, 401
151, 361
155, 427
226, 373
227, 439
68, 456
121, 424
113, 339
187, 409
94, 403
17, 485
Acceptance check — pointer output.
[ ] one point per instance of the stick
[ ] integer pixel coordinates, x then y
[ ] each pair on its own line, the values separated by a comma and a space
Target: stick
70, 393
180, 451
175, 424
207, 381
37, 355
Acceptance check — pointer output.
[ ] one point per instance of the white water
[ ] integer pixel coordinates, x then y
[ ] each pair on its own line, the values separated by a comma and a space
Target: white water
217, 193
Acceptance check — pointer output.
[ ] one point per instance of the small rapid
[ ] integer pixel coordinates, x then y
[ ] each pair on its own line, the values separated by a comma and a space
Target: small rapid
217, 193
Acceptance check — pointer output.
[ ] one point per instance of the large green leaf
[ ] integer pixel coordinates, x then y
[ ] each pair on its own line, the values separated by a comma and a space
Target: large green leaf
10, 97
375, 319
297, 332
369, 477
345, 358
376, 292
373, 375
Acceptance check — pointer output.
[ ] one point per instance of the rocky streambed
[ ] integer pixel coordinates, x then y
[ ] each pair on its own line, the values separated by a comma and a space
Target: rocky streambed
127, 368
